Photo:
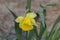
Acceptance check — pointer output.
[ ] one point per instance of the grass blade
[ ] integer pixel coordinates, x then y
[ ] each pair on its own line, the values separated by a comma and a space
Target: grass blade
46, 33
56, 34
54, 28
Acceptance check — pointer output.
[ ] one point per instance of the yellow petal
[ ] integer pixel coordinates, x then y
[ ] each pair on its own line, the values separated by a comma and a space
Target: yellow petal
19, 19
26, 27
33, 22
27, 21
31, 15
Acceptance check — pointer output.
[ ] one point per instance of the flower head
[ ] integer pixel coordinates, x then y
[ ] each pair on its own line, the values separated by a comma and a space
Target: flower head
26, 23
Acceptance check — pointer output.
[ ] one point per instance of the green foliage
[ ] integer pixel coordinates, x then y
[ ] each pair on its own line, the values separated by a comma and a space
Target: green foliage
42, 23
43, 32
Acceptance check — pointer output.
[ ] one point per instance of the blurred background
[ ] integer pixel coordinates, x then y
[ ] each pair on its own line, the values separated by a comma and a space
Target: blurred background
18, 6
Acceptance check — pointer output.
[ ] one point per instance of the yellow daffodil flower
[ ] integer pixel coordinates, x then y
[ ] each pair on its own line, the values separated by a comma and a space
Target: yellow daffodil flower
26, 23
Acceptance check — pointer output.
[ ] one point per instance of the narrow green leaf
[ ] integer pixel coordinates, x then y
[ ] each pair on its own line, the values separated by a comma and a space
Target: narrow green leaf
12, 13
28, 6
42, 16
17, 29
42, 23
54, 28
46, 33
30, 35
35, 30
56, 34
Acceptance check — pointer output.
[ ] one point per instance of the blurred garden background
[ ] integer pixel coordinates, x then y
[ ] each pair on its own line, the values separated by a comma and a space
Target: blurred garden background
19, 6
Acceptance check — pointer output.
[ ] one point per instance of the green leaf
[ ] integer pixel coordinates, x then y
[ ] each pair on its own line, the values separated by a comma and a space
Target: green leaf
56, 34
30, 35
28, 6
17, 29
36, 32
42, 23
42, 16
46, 33
12, 13
54, 28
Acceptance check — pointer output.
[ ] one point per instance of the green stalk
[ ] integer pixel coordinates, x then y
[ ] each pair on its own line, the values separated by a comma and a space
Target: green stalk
28, 6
